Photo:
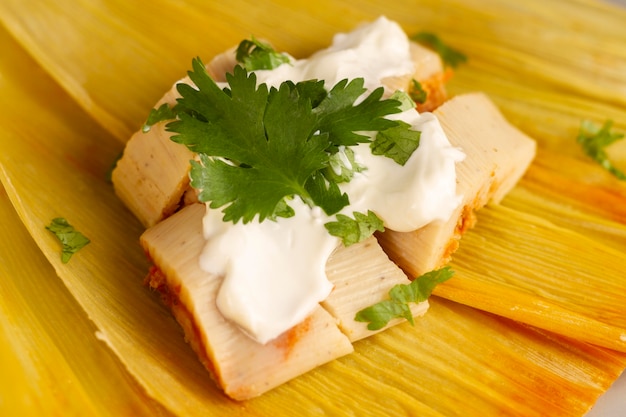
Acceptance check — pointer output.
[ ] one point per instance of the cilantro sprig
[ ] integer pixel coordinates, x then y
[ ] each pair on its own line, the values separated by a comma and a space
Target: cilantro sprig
71, 240
258, 147
253, 54
417, 92
450, 56
594, 140
357, 229
397, 143
400, 296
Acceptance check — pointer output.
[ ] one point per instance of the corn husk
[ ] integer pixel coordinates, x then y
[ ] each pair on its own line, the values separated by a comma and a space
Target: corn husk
582, 298
115, 61
48, 346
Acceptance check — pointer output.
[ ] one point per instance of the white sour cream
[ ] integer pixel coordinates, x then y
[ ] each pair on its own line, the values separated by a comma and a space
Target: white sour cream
274, 272
374, 51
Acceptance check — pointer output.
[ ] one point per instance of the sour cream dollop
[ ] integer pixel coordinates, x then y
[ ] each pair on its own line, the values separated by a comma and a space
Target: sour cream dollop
274, 272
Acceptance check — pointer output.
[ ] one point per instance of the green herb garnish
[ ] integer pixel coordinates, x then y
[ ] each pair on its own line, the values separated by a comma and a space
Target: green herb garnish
357, 229
450, 56
594, 140
417, 92
71, 239
380, 314
253, 55
342, 166
397, 143
405, 98
258, 147
162, 113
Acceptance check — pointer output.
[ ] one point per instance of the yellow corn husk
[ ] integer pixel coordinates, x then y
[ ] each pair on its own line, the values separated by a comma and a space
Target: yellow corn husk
48, 347
578, 184
507, 265
564, 214
116, 59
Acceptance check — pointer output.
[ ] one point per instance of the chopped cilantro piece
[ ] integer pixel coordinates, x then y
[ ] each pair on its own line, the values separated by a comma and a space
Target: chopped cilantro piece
71, 239
342, 119
355, 230
594, 140
450, 57
253, 54
342, 165
417, 93
259, 145
282, 210
379, 314
161, 114
407, 102
325, 194
397, 143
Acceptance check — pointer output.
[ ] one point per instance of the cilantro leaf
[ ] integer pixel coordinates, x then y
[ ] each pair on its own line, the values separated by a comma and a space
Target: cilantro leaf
450, 56
325, 194
405, 99
258, 147
417, 92
314, 90
275, 156
380, 314
72, 241
594, 140
161, 114
355, 230
341, 118
342, 165
256, 55
226, 123
397, 143
282, 210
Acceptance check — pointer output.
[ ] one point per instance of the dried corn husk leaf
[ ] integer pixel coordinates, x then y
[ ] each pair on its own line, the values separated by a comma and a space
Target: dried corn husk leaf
62, 176
580, 184
543, 205
48, 346
581, 298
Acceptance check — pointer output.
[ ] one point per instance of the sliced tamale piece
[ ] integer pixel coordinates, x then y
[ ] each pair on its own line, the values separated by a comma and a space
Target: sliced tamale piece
243, 367
152, 177
145, 160
497, 155
362, 275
